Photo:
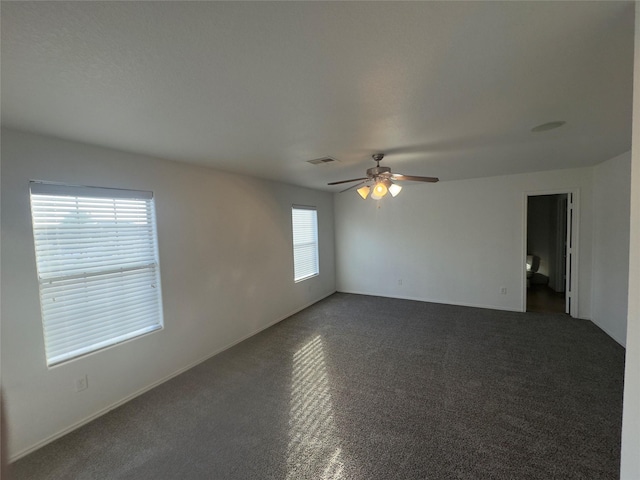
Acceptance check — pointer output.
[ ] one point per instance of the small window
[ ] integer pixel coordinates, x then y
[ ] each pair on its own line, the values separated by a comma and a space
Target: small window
305, 242
98, 270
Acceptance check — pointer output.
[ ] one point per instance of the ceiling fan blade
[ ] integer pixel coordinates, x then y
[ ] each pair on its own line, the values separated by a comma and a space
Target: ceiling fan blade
413, 178
347, 181
353, 186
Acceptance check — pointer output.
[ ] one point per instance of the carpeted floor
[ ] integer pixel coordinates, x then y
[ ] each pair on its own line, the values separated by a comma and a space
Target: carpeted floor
360, 387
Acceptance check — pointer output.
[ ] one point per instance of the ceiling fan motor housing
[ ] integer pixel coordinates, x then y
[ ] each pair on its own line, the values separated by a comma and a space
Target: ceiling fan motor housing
383, 175
377, 171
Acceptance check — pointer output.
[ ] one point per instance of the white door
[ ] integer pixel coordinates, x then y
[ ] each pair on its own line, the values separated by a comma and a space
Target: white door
570, 307
571, 250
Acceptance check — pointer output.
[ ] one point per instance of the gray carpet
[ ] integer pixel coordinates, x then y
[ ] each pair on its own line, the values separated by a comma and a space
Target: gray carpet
360, 387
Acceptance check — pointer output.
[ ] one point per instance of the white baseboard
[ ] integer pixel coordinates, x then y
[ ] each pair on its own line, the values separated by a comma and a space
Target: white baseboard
608, 332
491, 307
418, 299
137, 393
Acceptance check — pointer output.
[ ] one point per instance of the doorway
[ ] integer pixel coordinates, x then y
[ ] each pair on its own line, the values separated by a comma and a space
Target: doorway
550, 248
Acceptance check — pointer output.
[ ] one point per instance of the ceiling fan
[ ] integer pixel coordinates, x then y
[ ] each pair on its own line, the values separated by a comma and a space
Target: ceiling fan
381, 179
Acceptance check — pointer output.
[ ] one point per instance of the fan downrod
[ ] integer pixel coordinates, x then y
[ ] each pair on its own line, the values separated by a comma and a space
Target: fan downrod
377, 171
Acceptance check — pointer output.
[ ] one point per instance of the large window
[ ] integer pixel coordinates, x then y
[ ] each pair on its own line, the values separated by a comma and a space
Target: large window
305, 242
97, 260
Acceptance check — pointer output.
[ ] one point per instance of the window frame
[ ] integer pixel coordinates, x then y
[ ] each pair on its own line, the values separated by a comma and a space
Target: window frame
315, 242
108, 291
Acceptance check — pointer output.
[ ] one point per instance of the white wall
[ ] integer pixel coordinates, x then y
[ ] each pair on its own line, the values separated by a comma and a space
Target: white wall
610, 281
630, 464
453, 242
227, 271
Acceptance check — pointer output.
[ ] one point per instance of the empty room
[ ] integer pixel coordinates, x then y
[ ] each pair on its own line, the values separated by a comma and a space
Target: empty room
320, 240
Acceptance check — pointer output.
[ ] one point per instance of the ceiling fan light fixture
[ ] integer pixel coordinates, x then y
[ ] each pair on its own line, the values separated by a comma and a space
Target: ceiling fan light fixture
379, 182
394, 189
379, 191
364, 191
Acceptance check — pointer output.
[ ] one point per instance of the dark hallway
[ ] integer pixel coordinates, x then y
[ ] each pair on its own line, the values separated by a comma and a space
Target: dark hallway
543, 299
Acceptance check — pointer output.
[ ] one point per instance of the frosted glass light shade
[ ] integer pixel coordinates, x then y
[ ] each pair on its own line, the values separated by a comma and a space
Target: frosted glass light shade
379, 191
364, 191
394, 189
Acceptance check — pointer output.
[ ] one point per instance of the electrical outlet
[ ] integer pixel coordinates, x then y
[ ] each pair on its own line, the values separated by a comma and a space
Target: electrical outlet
400, 282
82, 383
503, 290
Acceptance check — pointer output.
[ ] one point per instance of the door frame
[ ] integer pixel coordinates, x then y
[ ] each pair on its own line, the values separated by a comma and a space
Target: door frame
573, 220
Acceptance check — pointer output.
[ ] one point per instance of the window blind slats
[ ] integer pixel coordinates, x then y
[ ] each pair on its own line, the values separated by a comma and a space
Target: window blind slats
96, 288
305, 242
74, 306
70, 236
118, 324
98, 267
101, 280
62, 357
64, 343
65, 347
96, 330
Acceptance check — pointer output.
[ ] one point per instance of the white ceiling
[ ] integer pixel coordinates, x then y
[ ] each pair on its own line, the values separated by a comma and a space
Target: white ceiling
448, 89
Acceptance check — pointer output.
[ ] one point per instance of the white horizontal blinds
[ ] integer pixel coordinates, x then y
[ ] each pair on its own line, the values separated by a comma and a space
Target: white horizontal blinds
305, 242
97, 259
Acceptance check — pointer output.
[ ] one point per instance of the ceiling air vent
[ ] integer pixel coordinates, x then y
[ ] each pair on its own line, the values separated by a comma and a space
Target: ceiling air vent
319, 161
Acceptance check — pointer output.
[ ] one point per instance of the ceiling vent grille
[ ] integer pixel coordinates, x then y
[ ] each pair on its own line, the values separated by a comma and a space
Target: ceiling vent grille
319, 161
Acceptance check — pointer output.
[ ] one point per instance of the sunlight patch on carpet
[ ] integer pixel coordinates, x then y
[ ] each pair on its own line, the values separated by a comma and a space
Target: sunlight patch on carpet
313, 450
